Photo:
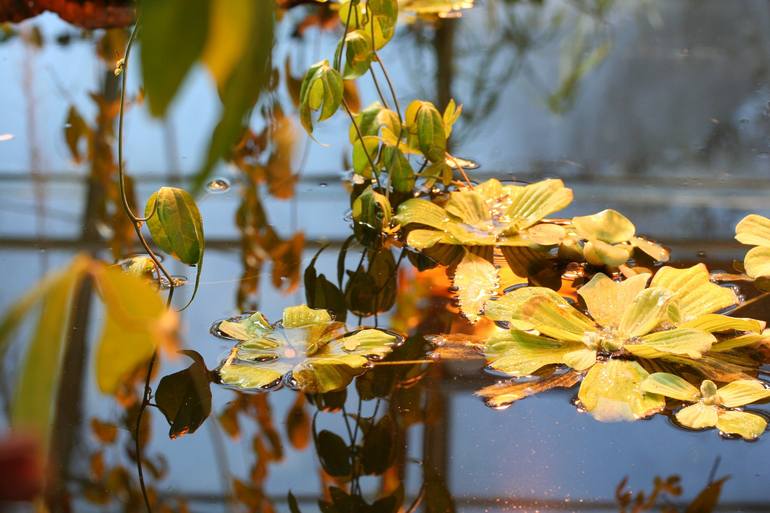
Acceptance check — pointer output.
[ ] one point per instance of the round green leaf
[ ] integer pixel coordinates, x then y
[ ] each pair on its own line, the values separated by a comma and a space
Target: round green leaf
608, 226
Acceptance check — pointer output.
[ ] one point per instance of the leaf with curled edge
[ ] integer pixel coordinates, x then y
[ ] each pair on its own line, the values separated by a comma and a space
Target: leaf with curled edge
476, 281
184, 397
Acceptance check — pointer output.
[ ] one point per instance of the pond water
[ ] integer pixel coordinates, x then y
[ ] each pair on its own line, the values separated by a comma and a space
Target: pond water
671, 127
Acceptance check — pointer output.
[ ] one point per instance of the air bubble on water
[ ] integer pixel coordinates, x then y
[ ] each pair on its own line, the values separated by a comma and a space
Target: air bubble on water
701, 254
323, 184
218, 185
67, 125
6, 137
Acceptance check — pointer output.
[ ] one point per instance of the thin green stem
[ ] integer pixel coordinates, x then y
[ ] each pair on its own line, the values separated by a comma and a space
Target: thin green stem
338, 60
135, 220
377, 86
363, 146
390, 85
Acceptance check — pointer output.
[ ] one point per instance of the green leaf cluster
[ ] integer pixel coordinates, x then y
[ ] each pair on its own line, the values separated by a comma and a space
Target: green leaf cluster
307, 349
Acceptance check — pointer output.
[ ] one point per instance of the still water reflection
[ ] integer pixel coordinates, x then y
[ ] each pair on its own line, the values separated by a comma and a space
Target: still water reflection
659, 109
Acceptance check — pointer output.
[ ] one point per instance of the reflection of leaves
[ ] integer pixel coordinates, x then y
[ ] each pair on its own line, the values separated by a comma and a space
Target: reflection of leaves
438, 499
105, 432
75, 130
503, 394
476, 280
184, 397
379, 445
298, 424
708, 499
321, 293
333, 453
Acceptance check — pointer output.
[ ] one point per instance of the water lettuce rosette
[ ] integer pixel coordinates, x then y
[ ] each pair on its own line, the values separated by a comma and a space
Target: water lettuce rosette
629, 327
474, 221
713, 406
307, 349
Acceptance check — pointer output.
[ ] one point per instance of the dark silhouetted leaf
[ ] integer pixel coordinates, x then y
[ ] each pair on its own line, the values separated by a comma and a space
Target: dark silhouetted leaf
184, 397
379, 443
333, 453
708, 499
293, 505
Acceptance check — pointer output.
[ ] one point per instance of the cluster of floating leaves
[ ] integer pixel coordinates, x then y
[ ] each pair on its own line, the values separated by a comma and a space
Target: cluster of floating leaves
637, 342
306, 350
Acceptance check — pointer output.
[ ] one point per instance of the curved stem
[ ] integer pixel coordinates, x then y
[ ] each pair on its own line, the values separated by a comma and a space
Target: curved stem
135, 220
137, 443
390, 84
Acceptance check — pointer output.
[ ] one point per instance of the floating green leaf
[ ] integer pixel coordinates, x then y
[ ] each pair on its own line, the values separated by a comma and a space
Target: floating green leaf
518, 353
608, 226
612, 391
693, 290
317, 352
670, 385
476, 280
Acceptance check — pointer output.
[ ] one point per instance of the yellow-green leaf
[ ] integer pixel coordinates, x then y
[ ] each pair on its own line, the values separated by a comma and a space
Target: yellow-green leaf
652, 249
321, 91
358, 54
136, 323
545, 234
742, 392
598, 252
469, 206
422, 239
612, 391
176, 227
680, 342
251, 376
35, 392
173, 36
367, 341
714, 323
608, 226
301, 316
426, 129
757, 262
753, 229
648, 309
671, 385
420, 211
607, 299
747, 425
451, 114
693, 291
698, 416
476, 281
531, 203
551, 315
518, 353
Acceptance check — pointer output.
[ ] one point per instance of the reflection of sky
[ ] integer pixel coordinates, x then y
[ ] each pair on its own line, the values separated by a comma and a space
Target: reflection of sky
676, 77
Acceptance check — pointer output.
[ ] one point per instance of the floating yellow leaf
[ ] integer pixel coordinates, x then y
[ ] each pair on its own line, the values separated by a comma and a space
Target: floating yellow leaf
695, 294
747, 425
670, 385
607, 299
612, 391
476, 281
